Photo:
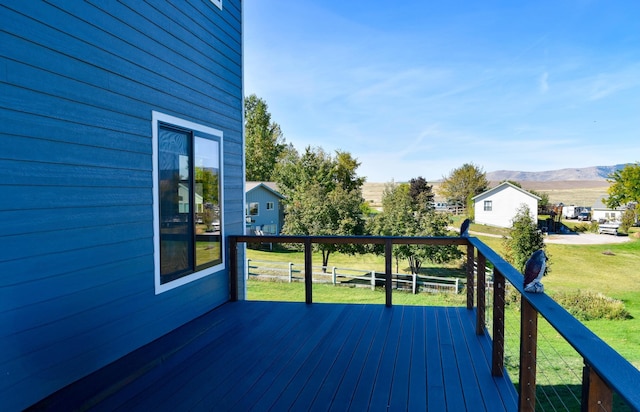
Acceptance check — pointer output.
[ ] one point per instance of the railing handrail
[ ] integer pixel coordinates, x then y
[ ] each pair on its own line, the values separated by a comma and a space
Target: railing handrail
615, 370
618, 373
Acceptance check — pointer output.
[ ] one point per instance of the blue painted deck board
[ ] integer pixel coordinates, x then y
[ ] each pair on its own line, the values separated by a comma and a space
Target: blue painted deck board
418, 372
291, 356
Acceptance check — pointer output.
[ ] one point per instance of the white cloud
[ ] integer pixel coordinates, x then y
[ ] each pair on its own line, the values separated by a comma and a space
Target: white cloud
544, 82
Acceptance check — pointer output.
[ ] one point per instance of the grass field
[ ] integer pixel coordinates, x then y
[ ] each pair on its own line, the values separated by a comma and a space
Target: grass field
575, 192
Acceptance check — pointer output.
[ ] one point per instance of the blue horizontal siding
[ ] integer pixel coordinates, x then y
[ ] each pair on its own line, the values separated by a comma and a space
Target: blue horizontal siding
18, 123
64, 269
79, 81
188, 41
60, 174
88, 347
19, 197
135, 67
39, 151
18, 222
43, 242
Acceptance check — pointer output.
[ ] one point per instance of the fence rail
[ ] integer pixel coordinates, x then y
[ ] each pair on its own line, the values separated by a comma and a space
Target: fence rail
605, 370
294, 272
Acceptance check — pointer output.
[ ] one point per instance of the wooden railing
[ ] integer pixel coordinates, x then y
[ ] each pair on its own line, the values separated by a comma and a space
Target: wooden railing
605, 370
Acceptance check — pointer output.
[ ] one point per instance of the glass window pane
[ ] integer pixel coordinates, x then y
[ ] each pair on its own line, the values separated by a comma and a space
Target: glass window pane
207, 202
175, 198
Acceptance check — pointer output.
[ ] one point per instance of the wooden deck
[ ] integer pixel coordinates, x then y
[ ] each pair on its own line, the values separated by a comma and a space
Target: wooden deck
292, 356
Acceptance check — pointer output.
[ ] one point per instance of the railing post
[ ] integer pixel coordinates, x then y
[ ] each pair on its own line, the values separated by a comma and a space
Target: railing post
290, 272
233, 270
596, 394
528, 354
308, 272
480, 314
388, 249
470, 282
373, 280
246, 268
497, 356
415, 282
333, 275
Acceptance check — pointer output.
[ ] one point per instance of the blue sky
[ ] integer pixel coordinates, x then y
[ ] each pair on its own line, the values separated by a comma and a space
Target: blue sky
420, 87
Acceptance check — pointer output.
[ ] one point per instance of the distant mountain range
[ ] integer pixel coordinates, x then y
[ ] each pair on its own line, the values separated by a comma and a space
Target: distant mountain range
585, 173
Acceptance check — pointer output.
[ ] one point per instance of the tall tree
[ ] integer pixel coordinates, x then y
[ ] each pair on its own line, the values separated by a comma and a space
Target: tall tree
463, 184
625, 186
264, 141
323, 196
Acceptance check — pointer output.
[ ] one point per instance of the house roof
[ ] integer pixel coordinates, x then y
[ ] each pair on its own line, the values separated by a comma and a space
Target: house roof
600, 205
501, 185
270, 186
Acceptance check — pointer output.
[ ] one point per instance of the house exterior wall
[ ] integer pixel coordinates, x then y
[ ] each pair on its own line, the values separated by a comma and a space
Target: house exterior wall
609, 215
505, 201
269, 220
78, 84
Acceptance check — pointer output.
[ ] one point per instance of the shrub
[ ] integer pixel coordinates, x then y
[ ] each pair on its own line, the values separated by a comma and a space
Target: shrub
586, 305
582, 227
524, 239
628, 219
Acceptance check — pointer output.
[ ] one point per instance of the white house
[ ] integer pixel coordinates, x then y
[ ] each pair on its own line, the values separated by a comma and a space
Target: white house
499, 205
601, 213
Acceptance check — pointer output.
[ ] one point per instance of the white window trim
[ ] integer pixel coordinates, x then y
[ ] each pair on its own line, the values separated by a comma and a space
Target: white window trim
257, 208
272, 205
157, 117
217, 3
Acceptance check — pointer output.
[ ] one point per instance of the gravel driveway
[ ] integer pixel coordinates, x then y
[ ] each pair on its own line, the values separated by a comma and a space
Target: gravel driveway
585, 239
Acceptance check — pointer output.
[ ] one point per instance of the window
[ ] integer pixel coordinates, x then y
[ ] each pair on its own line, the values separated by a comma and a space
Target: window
254, 209
269, 205
187, 179
488, 205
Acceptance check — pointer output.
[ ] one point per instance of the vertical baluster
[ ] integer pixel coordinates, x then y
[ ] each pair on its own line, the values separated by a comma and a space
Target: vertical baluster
528, 354
481, 298
470, 281
388, 249
308, 271
596, 394
497, 357
233, 269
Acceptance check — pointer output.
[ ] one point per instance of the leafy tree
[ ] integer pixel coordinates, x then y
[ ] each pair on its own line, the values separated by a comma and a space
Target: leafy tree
463, 184
408, 211
625, 186
524, 239
396, 218
323, 196
263, 139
